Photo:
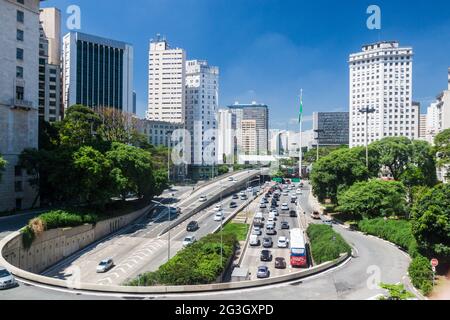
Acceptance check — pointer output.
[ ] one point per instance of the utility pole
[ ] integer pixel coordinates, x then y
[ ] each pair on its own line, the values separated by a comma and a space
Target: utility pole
367, 111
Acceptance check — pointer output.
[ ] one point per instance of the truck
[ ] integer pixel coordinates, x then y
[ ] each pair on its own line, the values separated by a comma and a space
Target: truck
299, 257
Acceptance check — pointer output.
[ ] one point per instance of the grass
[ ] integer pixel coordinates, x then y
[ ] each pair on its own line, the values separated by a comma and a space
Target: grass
239, 230
326, 244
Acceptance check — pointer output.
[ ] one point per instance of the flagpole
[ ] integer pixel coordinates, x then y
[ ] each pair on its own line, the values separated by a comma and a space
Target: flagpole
300, 175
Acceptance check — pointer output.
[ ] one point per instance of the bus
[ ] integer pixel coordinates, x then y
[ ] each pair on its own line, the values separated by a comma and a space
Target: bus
299, 257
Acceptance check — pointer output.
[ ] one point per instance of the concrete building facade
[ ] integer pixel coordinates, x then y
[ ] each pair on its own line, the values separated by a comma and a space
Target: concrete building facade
19, 65
226, 136
333, 128
97, 72
381, 78
166, 82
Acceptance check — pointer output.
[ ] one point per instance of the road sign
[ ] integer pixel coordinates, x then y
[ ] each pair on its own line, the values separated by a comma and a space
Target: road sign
433, 268
435, 262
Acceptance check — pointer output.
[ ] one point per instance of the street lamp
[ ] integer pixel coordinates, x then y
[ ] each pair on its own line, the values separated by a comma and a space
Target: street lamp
318, 142
168, 135
170, 220
367, 110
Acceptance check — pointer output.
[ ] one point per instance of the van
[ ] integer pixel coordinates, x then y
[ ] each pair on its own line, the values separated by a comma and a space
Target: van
254, 241
259, 216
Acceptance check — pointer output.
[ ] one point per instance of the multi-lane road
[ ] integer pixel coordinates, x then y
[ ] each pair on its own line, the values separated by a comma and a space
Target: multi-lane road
375, 260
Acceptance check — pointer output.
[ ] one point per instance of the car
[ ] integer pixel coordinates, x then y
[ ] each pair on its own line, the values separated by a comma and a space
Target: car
192, 226
256, 231
7, 280
263, 272
260, 216
254, 241
266, 256
263, 206
293, 214
233, 205
189, 240
299, 191
267, 243
242, 193
270, 230
283, 242
285, 194
249, 189
271, 221
105, 265
218, 207
285, 207
203, 199
315, 215
219, 216
280, 263
264, 200
244, 197
285, 225
328, 222
274, 212
231, 179
235, 197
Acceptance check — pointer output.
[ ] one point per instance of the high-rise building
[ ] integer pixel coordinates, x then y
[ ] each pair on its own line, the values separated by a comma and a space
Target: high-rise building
423, 127
381, 79
166, 83
50, 65
202, 95
260, 114
19, 65
134, 103
226, 136
97, 72
331, 128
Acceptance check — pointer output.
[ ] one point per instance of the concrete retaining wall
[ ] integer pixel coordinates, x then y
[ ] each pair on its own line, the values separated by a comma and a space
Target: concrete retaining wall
55, 245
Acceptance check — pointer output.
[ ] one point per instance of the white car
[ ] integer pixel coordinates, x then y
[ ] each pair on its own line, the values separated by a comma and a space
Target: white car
218, 208
242, 193
256, 231
105, 265
283, 242
249, 189
231, 179
219, 216
271, 220
299, 191
285, 207
189, 240
263, 206
203, 199
7, 280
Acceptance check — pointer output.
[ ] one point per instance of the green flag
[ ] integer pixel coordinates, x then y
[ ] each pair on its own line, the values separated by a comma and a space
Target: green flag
300, 116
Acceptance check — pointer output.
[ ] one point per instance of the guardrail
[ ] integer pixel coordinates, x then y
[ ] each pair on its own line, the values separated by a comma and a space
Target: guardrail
68, 284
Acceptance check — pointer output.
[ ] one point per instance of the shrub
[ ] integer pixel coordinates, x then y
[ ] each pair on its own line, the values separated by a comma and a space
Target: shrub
27, 236
421, 274
326, 244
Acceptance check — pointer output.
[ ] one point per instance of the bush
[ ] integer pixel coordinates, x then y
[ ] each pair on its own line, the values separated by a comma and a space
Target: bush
66, 219
27, 236
326, 244
197, 264
395, 231
421, 274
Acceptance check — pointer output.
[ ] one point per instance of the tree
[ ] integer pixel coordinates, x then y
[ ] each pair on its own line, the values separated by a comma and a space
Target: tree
431, 222
2, 166
442, 143
223, 169
134, 166
374, 198
338, 171
80, 127
311, 155
396, 292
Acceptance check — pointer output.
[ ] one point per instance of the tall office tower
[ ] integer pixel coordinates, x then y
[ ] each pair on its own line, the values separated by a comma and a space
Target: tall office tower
249, 137
423, 127
166, 83
226, 134
19, 65
331, 128
381, 79
202, 95
260, 114
97, 72
134, 103
49, 65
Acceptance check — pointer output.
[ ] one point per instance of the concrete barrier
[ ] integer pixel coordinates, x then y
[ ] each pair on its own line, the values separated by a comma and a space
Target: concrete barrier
22, 274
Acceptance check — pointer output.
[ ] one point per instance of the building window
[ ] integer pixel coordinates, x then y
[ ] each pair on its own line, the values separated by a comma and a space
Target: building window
19, 72
18, 186
19, 93
18, 171
20, 35
18, 204
19, 54
20, 16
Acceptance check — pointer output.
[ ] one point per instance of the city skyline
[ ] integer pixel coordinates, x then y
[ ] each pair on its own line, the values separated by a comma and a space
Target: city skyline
272, 62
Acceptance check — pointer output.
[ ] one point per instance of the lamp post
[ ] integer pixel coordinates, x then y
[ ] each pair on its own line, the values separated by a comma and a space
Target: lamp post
318, 142
170, 220
169, 140
367, 111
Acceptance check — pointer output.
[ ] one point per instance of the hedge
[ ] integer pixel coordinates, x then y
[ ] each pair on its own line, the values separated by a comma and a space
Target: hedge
326, 244
400, 233
197, 264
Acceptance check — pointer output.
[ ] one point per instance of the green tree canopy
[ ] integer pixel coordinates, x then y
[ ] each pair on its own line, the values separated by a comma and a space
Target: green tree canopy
374, 198
339, 170
442, 142
431, 222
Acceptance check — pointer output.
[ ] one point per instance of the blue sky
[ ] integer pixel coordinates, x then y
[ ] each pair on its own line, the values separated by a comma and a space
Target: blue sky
268, 49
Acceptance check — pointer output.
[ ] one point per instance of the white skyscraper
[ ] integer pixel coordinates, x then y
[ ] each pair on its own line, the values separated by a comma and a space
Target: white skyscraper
166, 84
19, 83
226, 134
202, 95
381, 79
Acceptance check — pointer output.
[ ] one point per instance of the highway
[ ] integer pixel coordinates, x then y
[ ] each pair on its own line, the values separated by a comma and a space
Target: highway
140, 248
374, 259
